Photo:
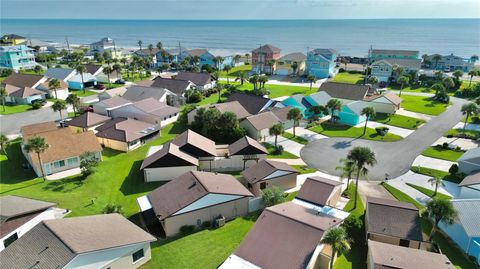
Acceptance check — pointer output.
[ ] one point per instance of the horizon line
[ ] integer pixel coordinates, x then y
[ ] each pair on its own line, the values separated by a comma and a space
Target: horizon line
329, 19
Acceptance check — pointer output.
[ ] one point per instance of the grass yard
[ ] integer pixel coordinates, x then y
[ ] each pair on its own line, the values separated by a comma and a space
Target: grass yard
278, 90
437, 173
203, 249
410, 89
339, 130
349, 77
422, 104
80, 93
401, 196
429, 192
13, 109
297, 139
304, 169
399, 121
234, 72
285, 154
291, 196
118, 180
459, 132
134, 77
443, 154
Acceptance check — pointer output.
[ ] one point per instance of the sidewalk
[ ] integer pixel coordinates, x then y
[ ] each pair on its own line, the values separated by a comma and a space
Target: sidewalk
416, 115
392, 129
298, 161
306, 134
432, 163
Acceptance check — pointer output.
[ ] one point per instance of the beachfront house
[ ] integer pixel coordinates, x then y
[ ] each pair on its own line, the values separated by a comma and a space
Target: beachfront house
381, 54
17, 57
448, 63
284, 64
205, 57
384, 70
12, 40
168, 56
74, 79
264, 59
149, 54
104, 44
321, 63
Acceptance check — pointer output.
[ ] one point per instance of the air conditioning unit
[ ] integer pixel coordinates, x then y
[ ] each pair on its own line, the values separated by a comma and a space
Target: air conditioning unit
220, 221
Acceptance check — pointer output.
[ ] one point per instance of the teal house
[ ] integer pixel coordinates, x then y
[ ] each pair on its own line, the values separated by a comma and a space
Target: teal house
351, 113
298, 101
321, 63
205, 57
16, 57
381, 54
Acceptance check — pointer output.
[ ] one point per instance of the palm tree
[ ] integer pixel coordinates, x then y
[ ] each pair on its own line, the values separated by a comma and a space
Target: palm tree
318, 110
74, 101
438, 87
271, 63
472, 74
160, 46
242, 76
38, 145
336, 238
361, 156
294, 67
436, 58
312, 79
276, 130
81, 69
448, 82
474, 58
54, 84
254, 80
296, 115
436, 181
457, 74
217, 60
219, 89
439, 210
59, 105
369, 113
237, 58
108, 70
372, 80
262, 80
347, 169
3, 95
140, 44
4, 144
333, 104
468, 110
403, 80
247, 55
37, 69
227, 69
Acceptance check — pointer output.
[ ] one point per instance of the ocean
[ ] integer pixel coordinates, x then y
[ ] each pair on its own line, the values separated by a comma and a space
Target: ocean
349, 37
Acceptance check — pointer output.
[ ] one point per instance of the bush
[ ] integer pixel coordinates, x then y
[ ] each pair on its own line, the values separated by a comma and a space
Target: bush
206, 224
194, 97
36, 105
382, 131
273, 196
4, 72
445, 145
453, 169
341, 70
354, 226
278, 150
112, 208
475, 120
187, 229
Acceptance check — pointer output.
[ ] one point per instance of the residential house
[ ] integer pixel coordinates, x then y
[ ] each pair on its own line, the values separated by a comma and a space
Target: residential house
176, 86
125, 134
267, 174
393, 222
448, 62
465, 231
304, 103
149, 54
384, 69
205, 57
105, 44
111, 93
19, 215
234, 107
105, 107
12, 40
320, 191
258, 126
263, 56
285, 236
137, 93
469, 161
382, 255
74, 79
65, 147
17, 57
196, 198
321, 63
25, 88
99, 241
41, 46
381, 54
192, 151
88, 121
148, 110
254, 104
100, 75
170, 56
470, 186
298, 101
202, 81
284, 64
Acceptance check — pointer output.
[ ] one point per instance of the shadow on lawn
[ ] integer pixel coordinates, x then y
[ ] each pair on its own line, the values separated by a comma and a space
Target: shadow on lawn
11, 168
134, 182
65, 185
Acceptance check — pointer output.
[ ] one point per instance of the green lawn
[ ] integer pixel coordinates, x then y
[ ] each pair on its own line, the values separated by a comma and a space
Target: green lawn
347, 77
291, 196
459, 132
32, 72
134, 77
410, 89
429, 192
401, 196
297, 139
398, 120
437, 173
285, 154
339, 130
422, 104
233, 73
304, 169
279, 90
203, 249
12, 109
443, 154
118, 180
80, 93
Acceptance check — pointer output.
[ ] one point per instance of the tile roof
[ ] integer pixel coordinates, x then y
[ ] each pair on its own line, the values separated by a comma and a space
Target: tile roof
263, 120
344, 90
317, 190
199, 79
22, 80
393, 218
264, 168
177, 86
267, 48
189, 139
468, 215
285, 236
472, 179
171, 197
395, 52
125, 130
88, 119
252, 103
165, 154
246, 146
136, 93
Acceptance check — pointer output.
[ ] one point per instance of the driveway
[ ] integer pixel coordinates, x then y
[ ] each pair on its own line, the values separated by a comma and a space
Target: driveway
433, 163
287, 144
393, 158
391, 129
11, 124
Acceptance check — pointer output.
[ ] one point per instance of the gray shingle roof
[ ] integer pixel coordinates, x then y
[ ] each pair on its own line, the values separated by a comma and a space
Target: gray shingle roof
13, 206
471, 179
177, 86
344, 90
469, 215
199, 79
136, 93
472, 156
395, 52
59, 73
408, 63
252, 103
265, 168
317, 190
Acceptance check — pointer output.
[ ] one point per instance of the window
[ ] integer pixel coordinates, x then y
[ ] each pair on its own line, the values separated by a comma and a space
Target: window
138, 255
404, 243
59, 164
72, 161
263, 185
10, 240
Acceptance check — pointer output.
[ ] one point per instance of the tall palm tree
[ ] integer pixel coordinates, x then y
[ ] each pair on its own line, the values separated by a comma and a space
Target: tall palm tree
472, 73
262, 80
271, 63
4, 144
403, 80
108, 71
54, 84
3, 95
468, 110
438, 87
333, 104
436, 181
227, 69
159, 46
458, 74
448, 82
361, 156
369, 113
140, 44
254, 80
242, 77
439, 210
347, 169
336, 238
38, 145
296, 115
217, 60
237, 58
74, 101
294, 67
318, 110
81, 69
436, 58
312, 79
276, 130
474, 58
247, 55
59, 105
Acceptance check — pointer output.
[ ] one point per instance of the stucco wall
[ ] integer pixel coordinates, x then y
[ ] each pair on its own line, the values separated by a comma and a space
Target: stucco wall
166, 173
113, 144
391, 240
284, 182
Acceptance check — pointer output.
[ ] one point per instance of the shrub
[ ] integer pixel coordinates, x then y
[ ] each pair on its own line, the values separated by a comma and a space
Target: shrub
278, 150
194, 97
36, 105
341, 70
382, 131
273, 196
112, 208
206, 224
354, 226
445, 145
457, 148
187, 229
4, 72
475, 120
453, 169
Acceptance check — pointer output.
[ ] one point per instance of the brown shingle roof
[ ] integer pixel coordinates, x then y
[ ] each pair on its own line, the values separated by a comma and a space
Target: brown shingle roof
171, 197
22, 80
263, 120
281, 113
235, 107
170, 155
246, 146
267, 48
199, 79
285, 236
177, 86
196, 52
392, 97
13, 206
92, 68
345, 90
38, 128
192, 142
155, 107
115, 101
88, 119
25, 92
317, 190
387, 256
252, 103
393, 218
265, 168
125, 130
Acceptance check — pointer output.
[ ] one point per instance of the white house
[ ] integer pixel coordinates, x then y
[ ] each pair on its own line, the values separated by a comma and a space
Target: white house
383, 69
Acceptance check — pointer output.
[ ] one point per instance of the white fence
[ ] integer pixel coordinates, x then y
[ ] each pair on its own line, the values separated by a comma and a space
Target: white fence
255, 204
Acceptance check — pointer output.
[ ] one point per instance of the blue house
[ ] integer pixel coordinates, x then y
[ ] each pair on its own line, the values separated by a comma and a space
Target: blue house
72, 78
466, 229
171, 56
298, 101
205, 57
17, 57
321, 63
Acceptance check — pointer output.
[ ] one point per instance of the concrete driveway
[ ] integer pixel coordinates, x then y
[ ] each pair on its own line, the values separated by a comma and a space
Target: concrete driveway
11, 124
391, 129
393, 158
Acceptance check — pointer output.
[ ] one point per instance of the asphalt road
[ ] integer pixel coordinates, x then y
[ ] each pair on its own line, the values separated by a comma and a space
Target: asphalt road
393, 158
11, 124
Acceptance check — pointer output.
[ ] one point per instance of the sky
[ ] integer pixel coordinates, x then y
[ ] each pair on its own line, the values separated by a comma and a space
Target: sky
238, 9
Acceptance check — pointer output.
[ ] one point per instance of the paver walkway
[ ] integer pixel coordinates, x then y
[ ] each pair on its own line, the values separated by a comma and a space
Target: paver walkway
412, 114
433, 163
392, 129
454, 142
